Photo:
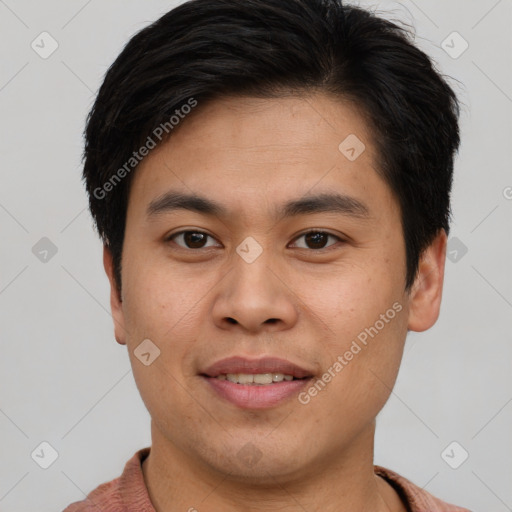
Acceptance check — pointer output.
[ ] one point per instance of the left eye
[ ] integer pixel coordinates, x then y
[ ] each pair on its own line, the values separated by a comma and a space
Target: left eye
197, 239
318, 239
192, 239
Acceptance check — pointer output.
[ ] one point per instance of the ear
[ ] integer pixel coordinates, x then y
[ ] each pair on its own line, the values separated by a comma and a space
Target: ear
116, 302
426, 292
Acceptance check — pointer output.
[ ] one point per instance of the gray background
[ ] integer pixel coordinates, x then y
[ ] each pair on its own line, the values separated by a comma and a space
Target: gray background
64, 379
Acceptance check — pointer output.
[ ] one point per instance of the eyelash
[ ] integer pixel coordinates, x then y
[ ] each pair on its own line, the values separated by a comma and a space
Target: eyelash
311, 231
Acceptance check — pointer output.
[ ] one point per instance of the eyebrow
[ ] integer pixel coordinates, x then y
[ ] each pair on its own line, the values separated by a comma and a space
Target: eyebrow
318, 203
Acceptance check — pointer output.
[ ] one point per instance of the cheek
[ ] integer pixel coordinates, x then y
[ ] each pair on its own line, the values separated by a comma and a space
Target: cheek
352, 299
166, 307
366, 316
360, 371
162, 308
162, 300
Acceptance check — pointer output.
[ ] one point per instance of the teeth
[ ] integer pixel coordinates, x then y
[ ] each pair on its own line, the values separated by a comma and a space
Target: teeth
261, 378
252, 379
246, 379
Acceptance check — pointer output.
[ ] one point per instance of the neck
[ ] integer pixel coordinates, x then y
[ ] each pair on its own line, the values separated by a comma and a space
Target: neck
177, 481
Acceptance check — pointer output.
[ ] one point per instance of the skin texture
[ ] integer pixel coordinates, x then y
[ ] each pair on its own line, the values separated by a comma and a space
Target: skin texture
199, 305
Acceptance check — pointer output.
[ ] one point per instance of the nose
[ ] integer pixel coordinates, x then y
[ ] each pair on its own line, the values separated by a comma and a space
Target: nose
256, 296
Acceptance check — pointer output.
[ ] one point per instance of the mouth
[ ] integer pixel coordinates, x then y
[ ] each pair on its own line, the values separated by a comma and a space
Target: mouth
255, 384
258, 379
238, 365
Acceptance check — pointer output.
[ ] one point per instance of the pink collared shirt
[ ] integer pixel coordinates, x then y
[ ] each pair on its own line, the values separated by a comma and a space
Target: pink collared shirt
128, 493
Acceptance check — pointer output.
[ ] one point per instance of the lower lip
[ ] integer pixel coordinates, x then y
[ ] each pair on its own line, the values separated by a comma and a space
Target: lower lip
256, 396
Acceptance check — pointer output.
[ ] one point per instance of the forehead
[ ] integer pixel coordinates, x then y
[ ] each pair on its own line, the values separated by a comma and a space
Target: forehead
253, 151
289, 125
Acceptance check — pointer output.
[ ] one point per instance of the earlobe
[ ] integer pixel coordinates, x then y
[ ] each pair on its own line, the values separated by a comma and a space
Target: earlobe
426, 292
116, 303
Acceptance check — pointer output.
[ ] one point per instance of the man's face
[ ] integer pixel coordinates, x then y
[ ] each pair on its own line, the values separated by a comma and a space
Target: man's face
255, 285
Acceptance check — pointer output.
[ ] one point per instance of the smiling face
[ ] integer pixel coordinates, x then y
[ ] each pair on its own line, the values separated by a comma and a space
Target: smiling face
236, 274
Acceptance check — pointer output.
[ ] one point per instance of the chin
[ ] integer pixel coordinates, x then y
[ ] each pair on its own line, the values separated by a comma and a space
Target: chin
259, 461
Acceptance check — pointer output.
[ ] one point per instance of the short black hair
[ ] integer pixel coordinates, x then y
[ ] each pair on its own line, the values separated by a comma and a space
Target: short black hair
207, 49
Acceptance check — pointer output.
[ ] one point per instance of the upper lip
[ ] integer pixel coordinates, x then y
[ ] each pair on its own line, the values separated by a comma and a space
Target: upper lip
238, 364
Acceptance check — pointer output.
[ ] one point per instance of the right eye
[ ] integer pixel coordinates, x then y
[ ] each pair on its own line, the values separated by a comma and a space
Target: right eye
191, 239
